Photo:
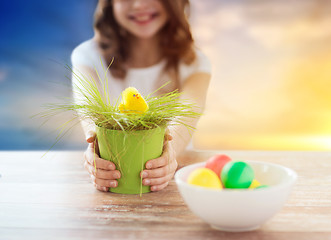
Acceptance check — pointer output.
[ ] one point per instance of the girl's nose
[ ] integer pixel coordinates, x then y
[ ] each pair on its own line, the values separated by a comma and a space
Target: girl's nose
140, 4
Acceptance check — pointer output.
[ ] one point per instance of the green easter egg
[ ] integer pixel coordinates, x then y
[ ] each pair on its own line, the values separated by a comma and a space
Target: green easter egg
237, 174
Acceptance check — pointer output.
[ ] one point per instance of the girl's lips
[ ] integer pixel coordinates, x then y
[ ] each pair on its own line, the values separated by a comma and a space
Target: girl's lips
142, 19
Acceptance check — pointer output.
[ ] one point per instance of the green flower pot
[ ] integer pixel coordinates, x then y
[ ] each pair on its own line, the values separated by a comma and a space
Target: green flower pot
129, 151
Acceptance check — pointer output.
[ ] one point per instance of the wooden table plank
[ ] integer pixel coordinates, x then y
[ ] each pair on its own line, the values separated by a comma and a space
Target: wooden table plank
52, 198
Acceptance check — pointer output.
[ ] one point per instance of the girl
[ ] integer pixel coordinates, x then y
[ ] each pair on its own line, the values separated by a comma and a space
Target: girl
151, 43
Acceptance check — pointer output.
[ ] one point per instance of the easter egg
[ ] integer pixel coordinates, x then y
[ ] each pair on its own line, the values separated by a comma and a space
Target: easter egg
237, 174
255, 184
217, 162
204, 177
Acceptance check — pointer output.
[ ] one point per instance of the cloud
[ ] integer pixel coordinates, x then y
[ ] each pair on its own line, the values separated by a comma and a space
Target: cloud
276, 25
272, 24
297, 32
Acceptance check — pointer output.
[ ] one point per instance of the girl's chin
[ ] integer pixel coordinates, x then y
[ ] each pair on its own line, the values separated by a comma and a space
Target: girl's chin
144, 35
145, 32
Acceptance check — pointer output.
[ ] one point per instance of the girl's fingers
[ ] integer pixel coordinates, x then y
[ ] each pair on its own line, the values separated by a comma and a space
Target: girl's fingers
157, 181
156, 173
104, 183
93, 159
100, 188
159, 187
103, 174
160, 172
157, 162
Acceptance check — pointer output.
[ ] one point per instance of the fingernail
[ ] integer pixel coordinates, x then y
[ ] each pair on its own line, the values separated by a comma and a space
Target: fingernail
148, 165
147, 182
112, 184
116, 175
111, 167
145, 174
90, 136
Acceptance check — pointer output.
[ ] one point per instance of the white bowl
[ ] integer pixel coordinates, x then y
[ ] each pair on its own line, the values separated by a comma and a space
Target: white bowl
238, 210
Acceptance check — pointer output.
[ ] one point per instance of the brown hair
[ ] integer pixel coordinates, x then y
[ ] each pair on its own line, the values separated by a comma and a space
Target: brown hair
176, 43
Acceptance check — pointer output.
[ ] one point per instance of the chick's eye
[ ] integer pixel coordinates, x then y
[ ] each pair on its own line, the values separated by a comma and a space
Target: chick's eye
134, 95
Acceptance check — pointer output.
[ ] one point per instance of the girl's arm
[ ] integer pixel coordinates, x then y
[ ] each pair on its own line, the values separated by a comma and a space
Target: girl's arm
195, 90
160, 171
88, 125
102, 172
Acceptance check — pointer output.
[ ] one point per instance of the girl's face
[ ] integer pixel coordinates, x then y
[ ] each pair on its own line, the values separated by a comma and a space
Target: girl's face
141, 18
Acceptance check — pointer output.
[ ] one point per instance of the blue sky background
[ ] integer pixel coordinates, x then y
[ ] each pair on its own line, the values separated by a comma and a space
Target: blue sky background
36, 40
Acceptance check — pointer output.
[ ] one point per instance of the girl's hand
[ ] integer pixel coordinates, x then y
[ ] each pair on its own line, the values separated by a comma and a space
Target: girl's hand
102, 172
160, 171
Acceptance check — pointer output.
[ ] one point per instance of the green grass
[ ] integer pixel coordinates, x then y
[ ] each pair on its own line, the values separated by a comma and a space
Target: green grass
164, 110
95, 104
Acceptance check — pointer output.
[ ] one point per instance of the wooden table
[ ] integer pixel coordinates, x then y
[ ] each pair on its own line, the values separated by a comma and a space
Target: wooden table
52, 198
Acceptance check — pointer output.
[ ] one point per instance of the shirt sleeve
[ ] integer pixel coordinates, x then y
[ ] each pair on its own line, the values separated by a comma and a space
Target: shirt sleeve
200, 65
86, 54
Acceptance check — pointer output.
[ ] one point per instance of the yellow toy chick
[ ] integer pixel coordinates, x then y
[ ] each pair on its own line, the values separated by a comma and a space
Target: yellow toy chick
132, 102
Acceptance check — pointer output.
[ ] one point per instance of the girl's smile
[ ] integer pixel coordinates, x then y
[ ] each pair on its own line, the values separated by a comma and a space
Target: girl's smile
142, 18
